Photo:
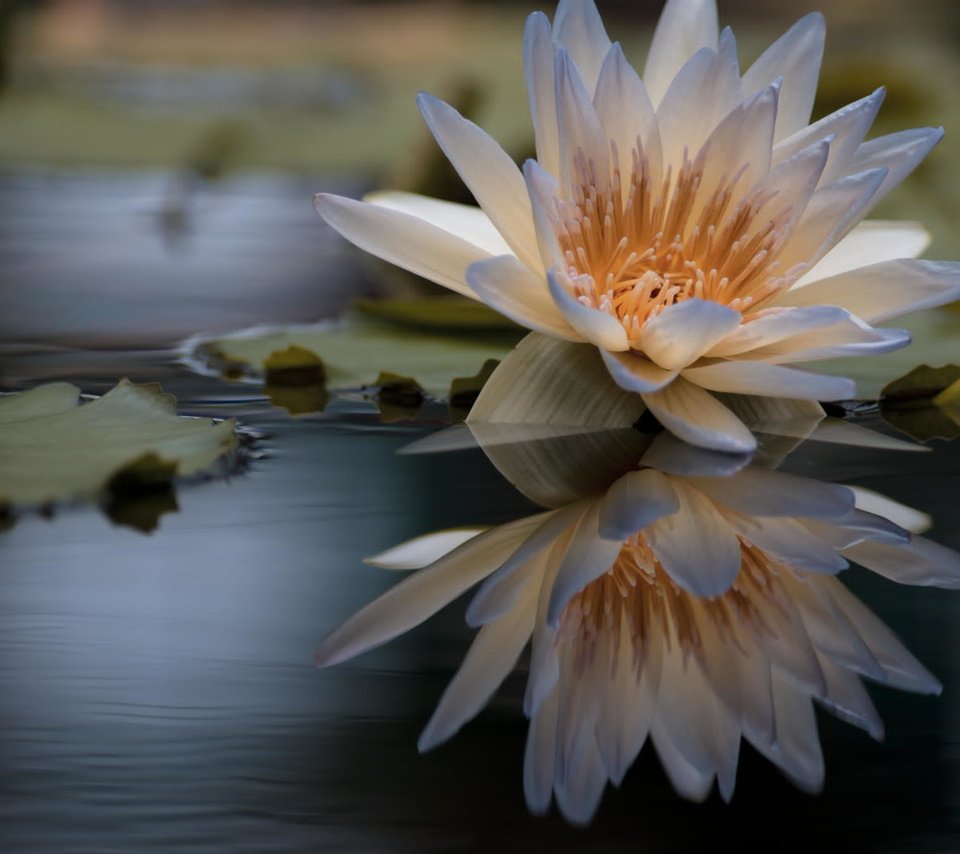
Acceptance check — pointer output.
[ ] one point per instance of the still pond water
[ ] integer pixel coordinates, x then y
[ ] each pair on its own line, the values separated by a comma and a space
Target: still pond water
157, 691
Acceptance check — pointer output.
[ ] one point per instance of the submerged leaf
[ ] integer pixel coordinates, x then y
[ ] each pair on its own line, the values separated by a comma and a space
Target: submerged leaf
925, 403
131, 439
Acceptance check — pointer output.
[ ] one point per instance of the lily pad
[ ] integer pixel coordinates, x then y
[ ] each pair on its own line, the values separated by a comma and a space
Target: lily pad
925, 403
352, 354
54, 449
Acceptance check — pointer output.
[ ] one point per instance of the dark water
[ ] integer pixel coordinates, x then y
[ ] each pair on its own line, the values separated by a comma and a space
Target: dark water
157, 691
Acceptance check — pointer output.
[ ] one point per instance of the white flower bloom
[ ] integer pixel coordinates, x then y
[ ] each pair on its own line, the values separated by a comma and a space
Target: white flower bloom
690, 224
685, 605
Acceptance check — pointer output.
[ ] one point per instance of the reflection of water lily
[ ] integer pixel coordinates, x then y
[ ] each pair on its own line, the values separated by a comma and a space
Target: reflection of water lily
692, 224
684, 606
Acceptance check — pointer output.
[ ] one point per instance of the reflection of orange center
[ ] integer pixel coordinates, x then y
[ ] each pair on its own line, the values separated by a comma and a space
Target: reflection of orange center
634, 251
637, 595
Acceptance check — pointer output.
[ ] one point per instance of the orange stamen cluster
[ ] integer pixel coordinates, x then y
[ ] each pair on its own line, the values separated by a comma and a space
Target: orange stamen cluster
636, 594
632, 254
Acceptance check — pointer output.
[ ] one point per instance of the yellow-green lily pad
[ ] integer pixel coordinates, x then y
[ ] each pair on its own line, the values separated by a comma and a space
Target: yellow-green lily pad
925, 403
53, 448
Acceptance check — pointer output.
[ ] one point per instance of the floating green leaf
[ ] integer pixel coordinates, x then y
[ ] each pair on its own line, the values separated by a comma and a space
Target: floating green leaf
54, 449
351, 354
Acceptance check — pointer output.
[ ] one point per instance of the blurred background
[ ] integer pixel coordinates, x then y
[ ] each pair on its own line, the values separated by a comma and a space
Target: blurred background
157, 159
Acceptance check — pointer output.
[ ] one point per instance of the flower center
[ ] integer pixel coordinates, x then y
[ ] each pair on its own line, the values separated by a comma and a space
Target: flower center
637, 595
634, 250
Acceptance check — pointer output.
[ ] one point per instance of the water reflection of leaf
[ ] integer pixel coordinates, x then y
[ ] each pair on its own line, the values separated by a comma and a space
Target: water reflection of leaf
128, 442
352, 354
689, 604
924, 403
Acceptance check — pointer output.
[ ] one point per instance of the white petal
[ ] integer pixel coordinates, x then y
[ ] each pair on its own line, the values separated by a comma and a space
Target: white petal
578, 27
795, 57
687, 780
539, 756
544, 380
705, 90
636, 500
921, 562
871, 242
544, 190
899, 153
760, 378
587, 558
404, 240
789, 541
797, 748
850, 336
886, 290
757, 491
420, 551
848, 699
489, 173
683, 332
828, 628
831, 213
508, 286
696, 546
485, 605
771, 325
465, 221
580, 790
901, 668
597, 327
809, 333
628, 117
790, 186
855, 526
740, 145
671, 456
629, 699
421, 595
837, 432
538, 63
684, 27
847, 128
488, 662
906, 517
579, 126
635, 373
697, 417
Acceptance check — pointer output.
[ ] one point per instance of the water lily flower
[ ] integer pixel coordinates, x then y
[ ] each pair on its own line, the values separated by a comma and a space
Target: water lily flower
691, 223
686, 605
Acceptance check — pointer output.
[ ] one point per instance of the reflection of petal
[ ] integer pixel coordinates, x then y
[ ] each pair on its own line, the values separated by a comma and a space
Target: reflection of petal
422, 551
692, 606
696, 417
695, 546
